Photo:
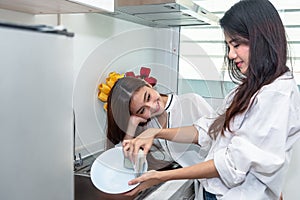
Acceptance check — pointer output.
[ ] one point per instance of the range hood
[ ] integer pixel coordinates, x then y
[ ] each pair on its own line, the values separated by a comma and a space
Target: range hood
163, 13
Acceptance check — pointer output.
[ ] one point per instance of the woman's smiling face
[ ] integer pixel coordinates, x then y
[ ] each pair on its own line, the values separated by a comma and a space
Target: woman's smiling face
238, 52
146, 103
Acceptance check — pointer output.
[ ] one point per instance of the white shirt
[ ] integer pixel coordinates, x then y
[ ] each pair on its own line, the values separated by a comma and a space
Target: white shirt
253, 161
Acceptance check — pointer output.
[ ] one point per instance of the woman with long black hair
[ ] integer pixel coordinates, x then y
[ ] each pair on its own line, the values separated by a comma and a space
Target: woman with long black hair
252, 138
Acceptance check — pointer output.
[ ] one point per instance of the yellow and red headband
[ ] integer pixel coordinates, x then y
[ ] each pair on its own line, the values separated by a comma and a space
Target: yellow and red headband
105, 88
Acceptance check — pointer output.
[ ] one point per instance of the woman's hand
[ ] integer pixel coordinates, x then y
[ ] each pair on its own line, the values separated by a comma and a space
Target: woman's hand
147, 180
144, 141
136, 120
133, 122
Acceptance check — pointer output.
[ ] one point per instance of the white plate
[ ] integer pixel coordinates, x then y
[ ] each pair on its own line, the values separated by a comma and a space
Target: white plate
109, 175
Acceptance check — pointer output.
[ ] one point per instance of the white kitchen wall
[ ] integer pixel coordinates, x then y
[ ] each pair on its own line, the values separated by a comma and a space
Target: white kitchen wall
91, 30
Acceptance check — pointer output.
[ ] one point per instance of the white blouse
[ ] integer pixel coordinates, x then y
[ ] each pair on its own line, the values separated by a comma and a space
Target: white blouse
253, 161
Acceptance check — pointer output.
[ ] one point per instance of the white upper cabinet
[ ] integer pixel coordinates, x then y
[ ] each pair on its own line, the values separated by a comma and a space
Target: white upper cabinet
56, 6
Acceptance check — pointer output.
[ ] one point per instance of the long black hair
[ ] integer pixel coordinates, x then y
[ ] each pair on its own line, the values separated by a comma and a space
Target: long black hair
118, 112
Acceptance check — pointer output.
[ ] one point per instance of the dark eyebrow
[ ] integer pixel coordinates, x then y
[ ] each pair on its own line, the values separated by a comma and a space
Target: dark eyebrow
232, 40
145, 96
239, 40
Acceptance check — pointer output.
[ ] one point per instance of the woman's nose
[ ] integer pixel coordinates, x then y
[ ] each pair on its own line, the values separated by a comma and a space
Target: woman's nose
150, 105
232, 54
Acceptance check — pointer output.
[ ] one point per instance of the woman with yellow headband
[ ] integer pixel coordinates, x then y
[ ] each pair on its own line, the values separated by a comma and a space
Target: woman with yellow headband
133, 106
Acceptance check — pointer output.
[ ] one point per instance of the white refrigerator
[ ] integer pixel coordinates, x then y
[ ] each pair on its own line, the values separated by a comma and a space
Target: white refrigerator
36, 114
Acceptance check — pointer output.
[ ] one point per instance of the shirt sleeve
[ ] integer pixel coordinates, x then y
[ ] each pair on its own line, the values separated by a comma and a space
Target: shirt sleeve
202, 125
194, 107
258, 142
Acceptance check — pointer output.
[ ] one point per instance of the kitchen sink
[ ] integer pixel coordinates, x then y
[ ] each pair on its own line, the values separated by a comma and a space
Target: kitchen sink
85, 190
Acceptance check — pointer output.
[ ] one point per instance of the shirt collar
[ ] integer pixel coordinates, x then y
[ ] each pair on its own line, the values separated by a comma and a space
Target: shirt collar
169, 102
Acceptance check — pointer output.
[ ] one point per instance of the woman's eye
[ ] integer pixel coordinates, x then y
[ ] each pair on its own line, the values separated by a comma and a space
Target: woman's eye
236, 45
142, 111
148, 97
